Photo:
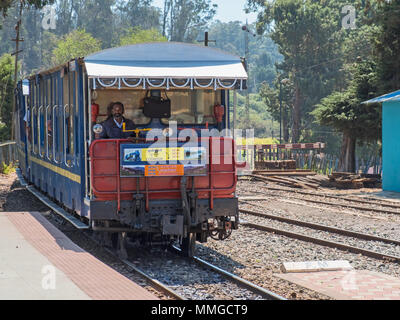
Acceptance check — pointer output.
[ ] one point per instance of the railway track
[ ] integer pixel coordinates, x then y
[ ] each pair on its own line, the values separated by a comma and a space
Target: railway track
247, 285
151, 280
320, 241
336, 204
240, 281
169, 292
183, 263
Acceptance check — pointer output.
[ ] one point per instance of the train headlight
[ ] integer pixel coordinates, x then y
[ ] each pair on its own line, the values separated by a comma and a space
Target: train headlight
167, 132
97, 128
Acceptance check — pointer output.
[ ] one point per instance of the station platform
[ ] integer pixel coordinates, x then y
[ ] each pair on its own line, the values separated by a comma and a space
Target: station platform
348, 285
38, 262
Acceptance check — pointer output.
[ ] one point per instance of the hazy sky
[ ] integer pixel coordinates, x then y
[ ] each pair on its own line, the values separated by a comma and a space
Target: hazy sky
228, 10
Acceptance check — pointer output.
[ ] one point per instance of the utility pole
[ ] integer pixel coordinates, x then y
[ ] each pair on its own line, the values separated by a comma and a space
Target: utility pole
280, 110
206, 40
281, 82
247, 59
17, 51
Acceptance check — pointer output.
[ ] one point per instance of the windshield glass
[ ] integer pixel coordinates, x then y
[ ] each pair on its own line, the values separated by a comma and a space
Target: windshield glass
193, 106
188, 107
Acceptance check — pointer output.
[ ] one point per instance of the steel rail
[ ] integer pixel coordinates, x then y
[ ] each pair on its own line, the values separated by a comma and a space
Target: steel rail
332, 204
321, 227
390, 205
323, 242
238, 280
155, 283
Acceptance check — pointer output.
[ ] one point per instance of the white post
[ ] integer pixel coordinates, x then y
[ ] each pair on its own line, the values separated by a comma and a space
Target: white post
234, 112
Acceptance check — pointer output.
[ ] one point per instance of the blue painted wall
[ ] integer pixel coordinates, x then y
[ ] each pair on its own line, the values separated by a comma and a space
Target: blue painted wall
391, 146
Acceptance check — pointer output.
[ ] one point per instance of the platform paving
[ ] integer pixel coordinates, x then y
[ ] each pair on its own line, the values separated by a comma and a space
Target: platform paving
38, 262
348, 285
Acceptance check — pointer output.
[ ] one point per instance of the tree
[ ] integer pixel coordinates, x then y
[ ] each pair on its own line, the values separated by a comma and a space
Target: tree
76, 44
344, 112
97, 18
7, 4
263, 53
6, 95
137, 35
271, 97
387, 45
307, 34
137, 13
187, 18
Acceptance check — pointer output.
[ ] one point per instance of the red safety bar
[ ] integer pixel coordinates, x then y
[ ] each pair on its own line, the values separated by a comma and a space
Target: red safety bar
105, 175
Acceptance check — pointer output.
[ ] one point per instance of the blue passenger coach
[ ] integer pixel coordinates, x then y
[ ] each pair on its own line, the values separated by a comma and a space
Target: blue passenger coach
56, 112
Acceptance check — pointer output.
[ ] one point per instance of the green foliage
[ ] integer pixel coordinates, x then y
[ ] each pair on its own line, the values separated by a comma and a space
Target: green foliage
276, 96
50, 42
7, 168
76, 44
344, 111
263, 53
387, 45
138, 35
183, 19
7, 4
6, 91
260, 119
134, 13
106, 20
306, 33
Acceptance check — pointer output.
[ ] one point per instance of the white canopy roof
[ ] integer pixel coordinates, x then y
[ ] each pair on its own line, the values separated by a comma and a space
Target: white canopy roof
165, 60
226, 71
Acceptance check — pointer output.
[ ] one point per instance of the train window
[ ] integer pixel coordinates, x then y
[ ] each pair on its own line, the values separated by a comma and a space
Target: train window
28, 117
59, 121
41, 115
18, 117
76, 113
34, 120
67, 113
132, 100
193, 106
49, 118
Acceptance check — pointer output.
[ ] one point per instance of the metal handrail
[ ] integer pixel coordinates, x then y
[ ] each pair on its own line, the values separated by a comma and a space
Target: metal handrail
33, 130
39, 131
65, 138
6, 143
47, 133
54, 138
11, 152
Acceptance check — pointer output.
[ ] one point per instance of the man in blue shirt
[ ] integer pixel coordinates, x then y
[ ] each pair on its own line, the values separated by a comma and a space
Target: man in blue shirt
112, 127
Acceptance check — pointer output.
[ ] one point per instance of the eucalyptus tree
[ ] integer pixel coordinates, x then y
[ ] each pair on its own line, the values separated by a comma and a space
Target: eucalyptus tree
307, 34
7, 4
183, 19
387, 44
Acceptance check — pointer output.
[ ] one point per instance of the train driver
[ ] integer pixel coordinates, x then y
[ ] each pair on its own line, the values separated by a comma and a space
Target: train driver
112, 128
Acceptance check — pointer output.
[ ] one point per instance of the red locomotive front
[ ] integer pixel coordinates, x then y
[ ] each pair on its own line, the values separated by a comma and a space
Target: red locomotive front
185, 192
171, 172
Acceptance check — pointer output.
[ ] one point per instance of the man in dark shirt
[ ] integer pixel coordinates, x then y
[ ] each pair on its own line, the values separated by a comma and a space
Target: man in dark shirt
113, 126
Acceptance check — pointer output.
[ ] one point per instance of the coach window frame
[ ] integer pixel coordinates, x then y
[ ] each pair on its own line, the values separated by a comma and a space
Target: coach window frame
68, 118
49, 117
77, 122
55, 111
29, 121
59, 135
41, 124
34, 119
